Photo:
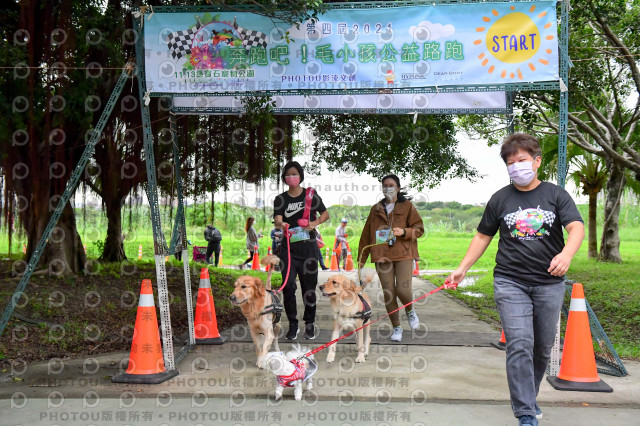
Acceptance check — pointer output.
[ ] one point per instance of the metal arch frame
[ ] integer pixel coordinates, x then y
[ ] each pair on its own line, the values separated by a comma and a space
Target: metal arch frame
179, 233
390, 111
507, 87
344, 5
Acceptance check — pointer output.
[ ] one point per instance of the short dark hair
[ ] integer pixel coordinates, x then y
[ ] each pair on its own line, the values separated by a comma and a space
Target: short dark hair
520, 142
296, 165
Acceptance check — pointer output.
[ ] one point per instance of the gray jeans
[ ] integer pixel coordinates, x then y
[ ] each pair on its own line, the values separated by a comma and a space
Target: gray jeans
529, 316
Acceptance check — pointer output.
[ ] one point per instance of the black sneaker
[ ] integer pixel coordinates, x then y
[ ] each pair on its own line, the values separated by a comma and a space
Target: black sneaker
309, 331
293, 332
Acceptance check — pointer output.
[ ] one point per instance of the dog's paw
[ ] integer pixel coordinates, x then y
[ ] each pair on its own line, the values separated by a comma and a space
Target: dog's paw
360, 358
278, 395
331, 357
298, 397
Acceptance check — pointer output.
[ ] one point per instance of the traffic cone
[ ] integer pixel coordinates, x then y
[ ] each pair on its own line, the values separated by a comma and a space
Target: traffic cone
140, 252
266, 269
416, 271
334, 262
500, 344
205, 321
24, 249
578, 371
349, 264
146, 364
326, 257
220, 259
85, 248
256, 260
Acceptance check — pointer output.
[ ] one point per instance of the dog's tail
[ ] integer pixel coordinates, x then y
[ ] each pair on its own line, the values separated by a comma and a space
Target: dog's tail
367, 275
296, 351
272, 260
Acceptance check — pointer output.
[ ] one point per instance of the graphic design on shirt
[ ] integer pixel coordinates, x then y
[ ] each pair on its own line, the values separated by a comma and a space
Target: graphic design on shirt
529, 223
293, 208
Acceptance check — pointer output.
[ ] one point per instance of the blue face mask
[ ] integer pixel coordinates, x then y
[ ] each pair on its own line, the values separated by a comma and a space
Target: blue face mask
522, 173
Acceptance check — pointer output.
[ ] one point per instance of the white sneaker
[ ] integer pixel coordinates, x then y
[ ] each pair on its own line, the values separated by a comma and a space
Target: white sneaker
397, 334
414, 322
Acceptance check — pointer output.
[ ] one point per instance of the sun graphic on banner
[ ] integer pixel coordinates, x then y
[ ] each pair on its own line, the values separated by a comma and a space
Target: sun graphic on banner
515, 39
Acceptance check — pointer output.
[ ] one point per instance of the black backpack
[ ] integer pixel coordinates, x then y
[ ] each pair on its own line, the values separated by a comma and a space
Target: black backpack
217, 236
208, 233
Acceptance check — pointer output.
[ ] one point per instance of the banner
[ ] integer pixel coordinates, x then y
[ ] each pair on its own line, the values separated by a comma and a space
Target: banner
361, 48
421, 103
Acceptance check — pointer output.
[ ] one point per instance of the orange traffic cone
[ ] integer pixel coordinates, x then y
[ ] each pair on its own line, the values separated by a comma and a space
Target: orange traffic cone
326, 257
349, 263
500, 344
256, 260
578, 371
266, 269
334, 262
146, 364
220, 258
205, 321
416, 271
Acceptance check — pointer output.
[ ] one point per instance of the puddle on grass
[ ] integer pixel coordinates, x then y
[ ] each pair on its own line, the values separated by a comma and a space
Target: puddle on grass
468, 281
473, 294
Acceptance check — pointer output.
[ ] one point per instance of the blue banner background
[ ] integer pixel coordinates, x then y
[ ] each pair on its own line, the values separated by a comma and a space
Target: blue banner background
384, 48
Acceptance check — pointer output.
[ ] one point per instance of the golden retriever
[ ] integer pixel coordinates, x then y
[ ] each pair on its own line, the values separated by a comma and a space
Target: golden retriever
251, 296
346, 304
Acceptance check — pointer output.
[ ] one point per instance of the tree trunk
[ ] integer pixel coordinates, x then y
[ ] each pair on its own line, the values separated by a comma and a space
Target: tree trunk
113, 250
610, 244
593, 231
64, 253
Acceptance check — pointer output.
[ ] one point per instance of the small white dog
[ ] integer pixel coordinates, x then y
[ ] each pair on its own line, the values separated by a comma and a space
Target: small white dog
291, 371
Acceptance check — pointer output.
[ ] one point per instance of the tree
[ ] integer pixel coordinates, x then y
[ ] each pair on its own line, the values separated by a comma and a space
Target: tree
381, 144
605, 106
604, 109
589, 174
42, 112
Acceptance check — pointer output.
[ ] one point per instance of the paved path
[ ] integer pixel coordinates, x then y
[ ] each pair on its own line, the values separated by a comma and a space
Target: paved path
446, 383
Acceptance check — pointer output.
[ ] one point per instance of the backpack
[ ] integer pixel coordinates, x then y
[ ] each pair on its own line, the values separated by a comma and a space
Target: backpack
217, 236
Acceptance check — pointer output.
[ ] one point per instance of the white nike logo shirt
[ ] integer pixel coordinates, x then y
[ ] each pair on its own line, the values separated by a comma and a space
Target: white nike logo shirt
293, 208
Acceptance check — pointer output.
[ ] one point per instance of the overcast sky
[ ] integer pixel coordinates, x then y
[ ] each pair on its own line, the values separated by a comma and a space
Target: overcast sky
347, 188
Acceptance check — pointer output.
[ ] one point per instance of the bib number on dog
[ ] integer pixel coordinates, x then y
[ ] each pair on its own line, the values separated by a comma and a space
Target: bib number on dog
299, 234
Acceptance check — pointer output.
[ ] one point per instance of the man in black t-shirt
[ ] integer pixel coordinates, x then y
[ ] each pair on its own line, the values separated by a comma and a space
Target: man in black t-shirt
531, 262
288, 212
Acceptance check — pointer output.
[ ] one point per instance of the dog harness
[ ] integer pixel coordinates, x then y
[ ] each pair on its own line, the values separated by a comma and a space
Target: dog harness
365, 313
301, 372
274, 308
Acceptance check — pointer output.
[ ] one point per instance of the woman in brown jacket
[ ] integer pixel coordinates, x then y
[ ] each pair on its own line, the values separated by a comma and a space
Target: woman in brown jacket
395, 222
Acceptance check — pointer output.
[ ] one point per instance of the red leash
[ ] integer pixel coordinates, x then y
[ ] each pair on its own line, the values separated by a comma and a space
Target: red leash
288, 234
326, 345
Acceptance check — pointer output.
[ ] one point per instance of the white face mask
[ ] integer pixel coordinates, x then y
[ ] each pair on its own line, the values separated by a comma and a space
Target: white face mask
521, 173
389, 193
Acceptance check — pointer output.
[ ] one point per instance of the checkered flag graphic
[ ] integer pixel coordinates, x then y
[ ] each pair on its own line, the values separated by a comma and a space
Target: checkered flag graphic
510, 219
549, 217
253, 38
179, 43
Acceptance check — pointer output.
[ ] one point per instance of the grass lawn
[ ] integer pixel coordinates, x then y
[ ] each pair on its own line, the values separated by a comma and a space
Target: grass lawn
612, 290
106, 302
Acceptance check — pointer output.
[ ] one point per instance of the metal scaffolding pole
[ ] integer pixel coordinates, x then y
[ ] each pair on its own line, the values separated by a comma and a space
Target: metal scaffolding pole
159, 243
